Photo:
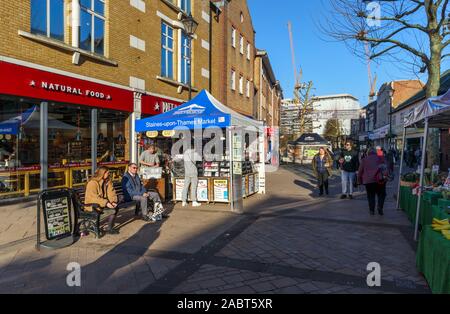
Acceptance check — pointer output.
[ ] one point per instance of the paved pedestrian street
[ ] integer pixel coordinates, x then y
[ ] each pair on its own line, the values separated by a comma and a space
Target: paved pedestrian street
287, 241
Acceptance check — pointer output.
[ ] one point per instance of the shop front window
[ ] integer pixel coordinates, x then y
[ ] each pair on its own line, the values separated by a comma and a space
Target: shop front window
19, 146
69, 145
111, 141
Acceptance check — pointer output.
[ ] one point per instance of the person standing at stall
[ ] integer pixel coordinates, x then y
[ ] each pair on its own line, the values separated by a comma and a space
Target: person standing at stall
322, 165
149, 157
190, 157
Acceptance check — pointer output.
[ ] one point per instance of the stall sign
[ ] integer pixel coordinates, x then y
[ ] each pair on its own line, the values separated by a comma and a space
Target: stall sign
251, 185
221, 191
152, 134
168, 133
202, 190
57, 218
237, 168
179, 185
244, 192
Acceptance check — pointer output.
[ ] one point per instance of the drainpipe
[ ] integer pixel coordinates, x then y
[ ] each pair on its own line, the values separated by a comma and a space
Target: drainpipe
76, 23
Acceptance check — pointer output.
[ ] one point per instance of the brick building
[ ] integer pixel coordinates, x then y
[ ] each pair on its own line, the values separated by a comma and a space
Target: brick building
233, 56
390, 96
76, 75
269, 92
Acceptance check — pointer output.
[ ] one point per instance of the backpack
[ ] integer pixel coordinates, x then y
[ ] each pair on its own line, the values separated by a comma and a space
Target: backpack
383, 174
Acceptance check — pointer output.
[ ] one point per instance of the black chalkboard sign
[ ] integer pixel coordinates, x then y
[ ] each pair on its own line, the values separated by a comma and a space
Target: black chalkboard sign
57, 209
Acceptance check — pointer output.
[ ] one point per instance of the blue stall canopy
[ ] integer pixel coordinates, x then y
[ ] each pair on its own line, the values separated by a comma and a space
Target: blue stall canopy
12, 125
202, 111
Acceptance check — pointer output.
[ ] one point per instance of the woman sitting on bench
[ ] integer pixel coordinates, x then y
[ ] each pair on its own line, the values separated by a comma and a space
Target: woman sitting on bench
100, 191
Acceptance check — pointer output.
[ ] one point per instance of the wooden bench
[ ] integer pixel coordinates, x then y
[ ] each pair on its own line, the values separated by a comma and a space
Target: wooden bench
90, 221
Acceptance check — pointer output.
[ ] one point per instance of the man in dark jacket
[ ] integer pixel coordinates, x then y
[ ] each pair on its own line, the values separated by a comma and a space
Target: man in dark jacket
134, 190
349, 163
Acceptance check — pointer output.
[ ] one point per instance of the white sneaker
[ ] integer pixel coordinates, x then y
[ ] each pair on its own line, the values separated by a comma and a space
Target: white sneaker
184, 204
195, 204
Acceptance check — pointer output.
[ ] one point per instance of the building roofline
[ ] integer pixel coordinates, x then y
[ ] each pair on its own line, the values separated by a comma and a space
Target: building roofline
336, 96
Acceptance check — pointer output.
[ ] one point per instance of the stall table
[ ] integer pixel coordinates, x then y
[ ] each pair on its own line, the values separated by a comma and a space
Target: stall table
433, 260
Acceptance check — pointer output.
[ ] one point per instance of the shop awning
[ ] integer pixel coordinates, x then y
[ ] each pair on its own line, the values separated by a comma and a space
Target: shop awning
202, 111
12, 126
436, 109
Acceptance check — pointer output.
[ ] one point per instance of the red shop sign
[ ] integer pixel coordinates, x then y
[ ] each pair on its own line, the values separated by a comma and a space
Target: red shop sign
156, 105
28, 82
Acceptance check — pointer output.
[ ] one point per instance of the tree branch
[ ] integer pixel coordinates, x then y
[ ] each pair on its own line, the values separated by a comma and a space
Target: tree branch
382, 52
421, 55
445, 56
443, 12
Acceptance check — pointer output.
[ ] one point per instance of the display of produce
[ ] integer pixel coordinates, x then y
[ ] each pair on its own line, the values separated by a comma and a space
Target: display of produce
443, 226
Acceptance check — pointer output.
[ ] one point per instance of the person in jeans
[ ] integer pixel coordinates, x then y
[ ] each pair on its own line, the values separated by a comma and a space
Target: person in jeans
100, 191
134, 190
190, 176
349, 162
367, 175
322, 165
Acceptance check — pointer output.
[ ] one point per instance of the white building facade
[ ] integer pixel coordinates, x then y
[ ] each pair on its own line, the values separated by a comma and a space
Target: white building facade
343, 107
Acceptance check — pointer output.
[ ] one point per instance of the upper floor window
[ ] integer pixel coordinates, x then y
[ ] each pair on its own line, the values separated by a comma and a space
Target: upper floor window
47, 18
233, 37
241, 44
166, 51
249, 51
185, 6
248, 89
241, 85
233, 80
92, 26
185, 62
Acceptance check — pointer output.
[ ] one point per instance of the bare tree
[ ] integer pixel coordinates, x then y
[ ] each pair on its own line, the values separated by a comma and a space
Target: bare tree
417, 27
303, 94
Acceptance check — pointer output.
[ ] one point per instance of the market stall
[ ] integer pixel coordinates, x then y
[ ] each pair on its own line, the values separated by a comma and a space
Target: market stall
243, 155
429, 194
433, 113
307, 146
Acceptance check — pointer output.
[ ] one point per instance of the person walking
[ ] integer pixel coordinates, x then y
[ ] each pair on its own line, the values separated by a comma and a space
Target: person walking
368, 174
349, 163
100, 191
190, 157
134, 190
322, 167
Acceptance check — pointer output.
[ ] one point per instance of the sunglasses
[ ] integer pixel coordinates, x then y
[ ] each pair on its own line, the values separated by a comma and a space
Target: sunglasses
134, 167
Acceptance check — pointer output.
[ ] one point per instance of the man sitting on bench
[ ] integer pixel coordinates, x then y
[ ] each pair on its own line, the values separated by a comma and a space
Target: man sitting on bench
100, 191
134, 190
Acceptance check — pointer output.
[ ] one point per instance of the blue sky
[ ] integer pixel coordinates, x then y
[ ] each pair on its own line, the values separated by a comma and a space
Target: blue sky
330, 65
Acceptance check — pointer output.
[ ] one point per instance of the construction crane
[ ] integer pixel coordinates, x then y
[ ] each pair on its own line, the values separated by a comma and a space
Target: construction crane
297, 76
302, 92
372, 82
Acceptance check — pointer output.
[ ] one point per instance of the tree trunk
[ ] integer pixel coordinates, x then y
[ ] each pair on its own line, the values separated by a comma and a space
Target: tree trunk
432, 89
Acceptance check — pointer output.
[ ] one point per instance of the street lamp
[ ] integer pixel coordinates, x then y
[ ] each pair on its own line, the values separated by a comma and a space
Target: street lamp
190, 26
